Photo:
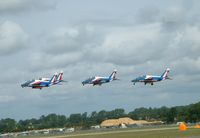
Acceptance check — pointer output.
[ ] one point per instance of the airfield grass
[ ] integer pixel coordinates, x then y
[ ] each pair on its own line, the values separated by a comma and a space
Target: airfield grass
168, 133
150, 134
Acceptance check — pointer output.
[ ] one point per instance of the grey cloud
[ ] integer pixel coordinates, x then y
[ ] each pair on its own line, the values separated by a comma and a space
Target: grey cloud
138, 45
67, 45
6, 99
130, 45
18, 6
70, 39
174, 18
12, 38
11, 74
147, 15
48, 61
142, 44
187, 65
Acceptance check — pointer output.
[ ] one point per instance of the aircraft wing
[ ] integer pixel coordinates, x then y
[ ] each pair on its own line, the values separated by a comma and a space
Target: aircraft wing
39, 84
36, 83
97, 81
138, 79
148, 78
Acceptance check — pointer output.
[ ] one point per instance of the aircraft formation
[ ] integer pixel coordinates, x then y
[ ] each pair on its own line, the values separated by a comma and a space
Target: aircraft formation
96, 80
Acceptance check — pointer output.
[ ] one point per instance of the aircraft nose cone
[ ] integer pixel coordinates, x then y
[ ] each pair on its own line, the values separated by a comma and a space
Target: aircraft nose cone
133, 80
83, 82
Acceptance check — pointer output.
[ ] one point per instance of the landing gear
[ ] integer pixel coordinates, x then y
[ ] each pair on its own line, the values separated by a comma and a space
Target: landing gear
152, 83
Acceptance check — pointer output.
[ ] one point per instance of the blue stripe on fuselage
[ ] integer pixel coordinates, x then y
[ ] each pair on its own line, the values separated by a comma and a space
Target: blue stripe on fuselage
143, 79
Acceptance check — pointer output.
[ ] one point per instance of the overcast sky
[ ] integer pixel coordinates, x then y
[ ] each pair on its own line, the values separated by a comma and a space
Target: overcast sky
93, 37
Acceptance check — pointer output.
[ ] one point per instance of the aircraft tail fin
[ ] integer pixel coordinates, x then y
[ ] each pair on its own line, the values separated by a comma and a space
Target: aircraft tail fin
53, 79
165, 74
113, 75
60, 76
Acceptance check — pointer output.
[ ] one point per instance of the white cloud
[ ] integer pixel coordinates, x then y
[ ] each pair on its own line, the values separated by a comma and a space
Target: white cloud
130, 45
72, 39
12, 38
47, 61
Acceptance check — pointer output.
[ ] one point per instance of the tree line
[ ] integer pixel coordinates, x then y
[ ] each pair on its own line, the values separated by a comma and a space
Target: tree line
188, 113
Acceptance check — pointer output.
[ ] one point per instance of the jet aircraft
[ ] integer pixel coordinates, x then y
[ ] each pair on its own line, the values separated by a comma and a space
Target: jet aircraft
151, 79
100, 80
44, 82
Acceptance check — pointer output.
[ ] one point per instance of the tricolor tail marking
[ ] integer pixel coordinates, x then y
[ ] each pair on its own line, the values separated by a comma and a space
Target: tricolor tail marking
113, 75
165, 74
60, 76
53, 79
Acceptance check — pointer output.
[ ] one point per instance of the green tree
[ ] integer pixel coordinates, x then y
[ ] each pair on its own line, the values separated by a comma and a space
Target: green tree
171, 115
75, 120
7, 125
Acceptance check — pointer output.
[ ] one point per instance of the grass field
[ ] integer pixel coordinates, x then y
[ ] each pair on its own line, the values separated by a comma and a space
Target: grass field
135, 133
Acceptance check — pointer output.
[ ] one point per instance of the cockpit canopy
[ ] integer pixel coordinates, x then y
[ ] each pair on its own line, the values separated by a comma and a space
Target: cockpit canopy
27, 83
30, 81
91, 78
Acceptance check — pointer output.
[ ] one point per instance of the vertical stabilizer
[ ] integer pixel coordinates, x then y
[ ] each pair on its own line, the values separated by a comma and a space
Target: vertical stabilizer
165, 74
60, 76
53, 79
113, 75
